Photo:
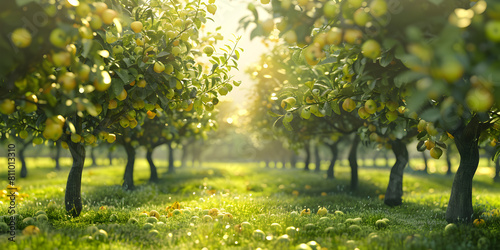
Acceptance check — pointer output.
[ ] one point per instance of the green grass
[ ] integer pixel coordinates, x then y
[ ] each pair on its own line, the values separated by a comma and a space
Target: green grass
254, 194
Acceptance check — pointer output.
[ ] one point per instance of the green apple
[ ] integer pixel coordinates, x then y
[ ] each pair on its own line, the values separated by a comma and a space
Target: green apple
7, 107
211, 8
349, 105
436, 152
334, 36
96, 22
330, 9
58, 38
362, 113
67, 81
361, 17
259, 235
21, 38
391, 115
82, 10
479, 99
159, 67
371, 49
492, 30
378, 8
370, 106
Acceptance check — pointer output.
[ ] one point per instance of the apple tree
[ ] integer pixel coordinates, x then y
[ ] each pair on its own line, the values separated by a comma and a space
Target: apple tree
85, 66
430, 63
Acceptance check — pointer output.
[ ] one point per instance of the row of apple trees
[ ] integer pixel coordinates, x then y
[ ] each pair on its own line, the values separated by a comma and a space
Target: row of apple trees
330, 124
84, 72
424, 69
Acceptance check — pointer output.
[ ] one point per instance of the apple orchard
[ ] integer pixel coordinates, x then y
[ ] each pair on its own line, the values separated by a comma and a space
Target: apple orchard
379, 73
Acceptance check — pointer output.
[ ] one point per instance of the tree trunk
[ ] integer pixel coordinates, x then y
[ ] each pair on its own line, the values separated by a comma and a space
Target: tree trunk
497, 170
330, 173
128, 177
354, 163
267, 163
24, 169
171, 168
316, 158
460, 204
73, 196
92, 155
110, 157
152, 166
293, 160
425, 171
394, 192
448, 160
184, 155
308, 157
58, 155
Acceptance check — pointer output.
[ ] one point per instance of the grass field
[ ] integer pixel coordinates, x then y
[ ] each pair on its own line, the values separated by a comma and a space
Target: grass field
246, 192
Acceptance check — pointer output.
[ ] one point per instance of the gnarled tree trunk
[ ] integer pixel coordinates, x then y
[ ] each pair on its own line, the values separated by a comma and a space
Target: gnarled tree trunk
394, 192
171, 167
354, 163
317, 158
152, 166
128, 177
330, 173
73, 196
460, 204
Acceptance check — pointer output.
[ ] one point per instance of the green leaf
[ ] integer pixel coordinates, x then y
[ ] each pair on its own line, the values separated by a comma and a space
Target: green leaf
116, 86
124, 75
335, 107
497, 154
386, 59
421, 135
296, 56
271, 113
331, 59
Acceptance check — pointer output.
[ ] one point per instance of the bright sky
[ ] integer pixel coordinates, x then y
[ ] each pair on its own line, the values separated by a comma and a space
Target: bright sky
228, 14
